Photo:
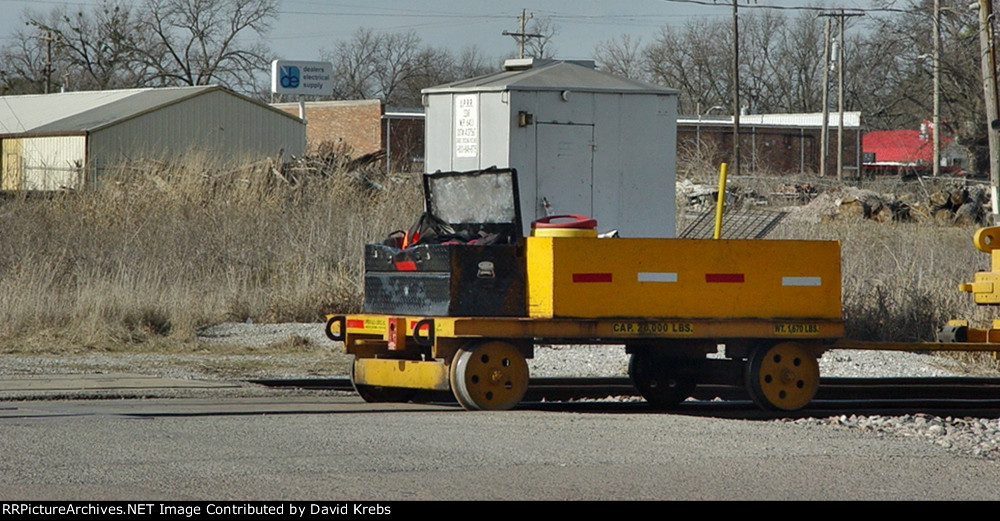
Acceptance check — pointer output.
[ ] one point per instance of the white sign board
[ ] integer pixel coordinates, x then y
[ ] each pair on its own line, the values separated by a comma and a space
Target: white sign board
302, 78
466, 125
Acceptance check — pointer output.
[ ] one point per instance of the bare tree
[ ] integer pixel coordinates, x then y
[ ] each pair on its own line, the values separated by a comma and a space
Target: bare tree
394, 67
470, 62
694, 59
541, 45
894, 72
621, 56
198, 42
797, 81
760, 38
400, 60
95, 47
119, 44
354, 63
26, 66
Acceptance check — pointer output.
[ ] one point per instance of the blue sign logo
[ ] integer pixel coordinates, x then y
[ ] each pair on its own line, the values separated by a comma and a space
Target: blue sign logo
290, 77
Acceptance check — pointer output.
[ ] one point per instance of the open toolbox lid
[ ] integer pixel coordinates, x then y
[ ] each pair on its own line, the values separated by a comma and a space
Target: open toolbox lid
476, 202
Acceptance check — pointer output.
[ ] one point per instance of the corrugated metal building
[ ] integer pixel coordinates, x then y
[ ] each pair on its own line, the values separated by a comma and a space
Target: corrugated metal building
583, 141
66, 140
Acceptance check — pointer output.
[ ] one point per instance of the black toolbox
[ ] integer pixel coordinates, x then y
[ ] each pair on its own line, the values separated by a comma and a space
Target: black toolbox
465, 257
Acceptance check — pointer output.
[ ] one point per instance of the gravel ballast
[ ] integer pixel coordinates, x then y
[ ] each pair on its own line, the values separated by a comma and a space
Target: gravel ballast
979, 437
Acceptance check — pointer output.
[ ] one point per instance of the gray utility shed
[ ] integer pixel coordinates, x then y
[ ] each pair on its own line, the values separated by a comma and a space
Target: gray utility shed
66, 140
583, 141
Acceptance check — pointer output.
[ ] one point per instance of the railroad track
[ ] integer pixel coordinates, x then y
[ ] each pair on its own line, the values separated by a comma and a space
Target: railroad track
932, 392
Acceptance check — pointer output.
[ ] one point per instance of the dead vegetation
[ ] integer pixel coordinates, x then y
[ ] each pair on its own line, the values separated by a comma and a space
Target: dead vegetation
156, 252
905, 244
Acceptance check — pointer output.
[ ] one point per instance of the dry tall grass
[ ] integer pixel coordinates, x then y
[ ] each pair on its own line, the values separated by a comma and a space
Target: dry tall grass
900, 280
152, 255
156, 253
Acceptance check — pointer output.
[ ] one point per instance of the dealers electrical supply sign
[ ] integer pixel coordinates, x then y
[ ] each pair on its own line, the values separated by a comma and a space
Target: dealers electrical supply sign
303, 78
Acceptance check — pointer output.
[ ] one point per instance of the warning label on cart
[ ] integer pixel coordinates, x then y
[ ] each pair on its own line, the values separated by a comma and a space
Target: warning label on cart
653, 328
796, 329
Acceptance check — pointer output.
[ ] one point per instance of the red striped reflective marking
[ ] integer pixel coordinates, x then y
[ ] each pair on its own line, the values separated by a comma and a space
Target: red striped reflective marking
591, 277
356, 324
406, 266
724, 277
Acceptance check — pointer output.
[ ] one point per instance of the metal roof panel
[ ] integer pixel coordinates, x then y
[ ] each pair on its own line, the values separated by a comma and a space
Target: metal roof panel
86, 111
28, 112
552, 75
808, 120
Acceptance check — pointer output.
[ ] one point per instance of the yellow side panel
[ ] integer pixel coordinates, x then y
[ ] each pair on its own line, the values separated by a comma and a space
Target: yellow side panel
581, 277
10, 174
402, 373
986, 287
540, 277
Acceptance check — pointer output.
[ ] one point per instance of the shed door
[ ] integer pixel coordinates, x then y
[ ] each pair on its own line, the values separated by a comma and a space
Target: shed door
564, 162
10, 176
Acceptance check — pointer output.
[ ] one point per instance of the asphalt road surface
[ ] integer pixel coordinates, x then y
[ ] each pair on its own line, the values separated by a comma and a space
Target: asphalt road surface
334, 447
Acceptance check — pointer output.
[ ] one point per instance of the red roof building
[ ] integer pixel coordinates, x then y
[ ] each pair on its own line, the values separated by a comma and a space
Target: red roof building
895, 151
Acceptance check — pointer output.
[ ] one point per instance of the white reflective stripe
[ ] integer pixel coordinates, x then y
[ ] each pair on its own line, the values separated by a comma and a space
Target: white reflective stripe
657, 276
801, 281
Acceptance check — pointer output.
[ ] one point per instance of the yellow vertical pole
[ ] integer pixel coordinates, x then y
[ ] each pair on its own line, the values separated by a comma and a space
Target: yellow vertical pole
722, 198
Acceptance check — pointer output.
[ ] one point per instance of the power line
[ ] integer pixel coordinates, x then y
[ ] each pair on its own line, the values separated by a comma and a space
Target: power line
798, 8
522, 36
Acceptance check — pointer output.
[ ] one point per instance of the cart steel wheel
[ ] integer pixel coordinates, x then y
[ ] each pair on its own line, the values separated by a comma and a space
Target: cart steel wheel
784, 376
653, 377
489, 376
379, 394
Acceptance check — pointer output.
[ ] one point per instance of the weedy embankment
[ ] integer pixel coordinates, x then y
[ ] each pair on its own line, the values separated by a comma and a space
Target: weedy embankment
900, 280
153, 253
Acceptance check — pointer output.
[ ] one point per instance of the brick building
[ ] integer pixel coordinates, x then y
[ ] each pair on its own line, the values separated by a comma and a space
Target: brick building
355, 124
772, 143
364, 127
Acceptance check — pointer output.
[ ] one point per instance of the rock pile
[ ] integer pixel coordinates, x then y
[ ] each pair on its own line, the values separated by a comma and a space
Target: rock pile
956, 206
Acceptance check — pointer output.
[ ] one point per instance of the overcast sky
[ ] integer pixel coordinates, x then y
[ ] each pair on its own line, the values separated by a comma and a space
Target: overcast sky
305, 27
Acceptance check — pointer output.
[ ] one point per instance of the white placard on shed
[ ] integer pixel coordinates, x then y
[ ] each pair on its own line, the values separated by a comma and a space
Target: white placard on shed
466, 125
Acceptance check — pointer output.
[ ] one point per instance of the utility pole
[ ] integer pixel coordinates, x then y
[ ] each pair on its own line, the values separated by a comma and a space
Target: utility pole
840, 101
736, 89
989, 69
824, 145
936, 168
522, 36
48, 60
840, 92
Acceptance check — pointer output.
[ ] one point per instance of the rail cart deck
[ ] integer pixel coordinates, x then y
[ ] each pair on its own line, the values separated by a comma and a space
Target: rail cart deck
464, 311
482, 360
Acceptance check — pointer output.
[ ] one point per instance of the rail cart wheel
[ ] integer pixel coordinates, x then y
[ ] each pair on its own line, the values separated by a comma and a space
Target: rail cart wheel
379, 394
489, 376
784, 376
654, 378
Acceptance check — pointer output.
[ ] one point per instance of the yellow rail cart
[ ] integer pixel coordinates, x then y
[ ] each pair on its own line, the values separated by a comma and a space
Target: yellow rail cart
483, 360
460, 301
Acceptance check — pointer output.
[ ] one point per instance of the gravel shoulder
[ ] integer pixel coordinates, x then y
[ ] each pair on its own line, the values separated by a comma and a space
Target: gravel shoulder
238, 353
